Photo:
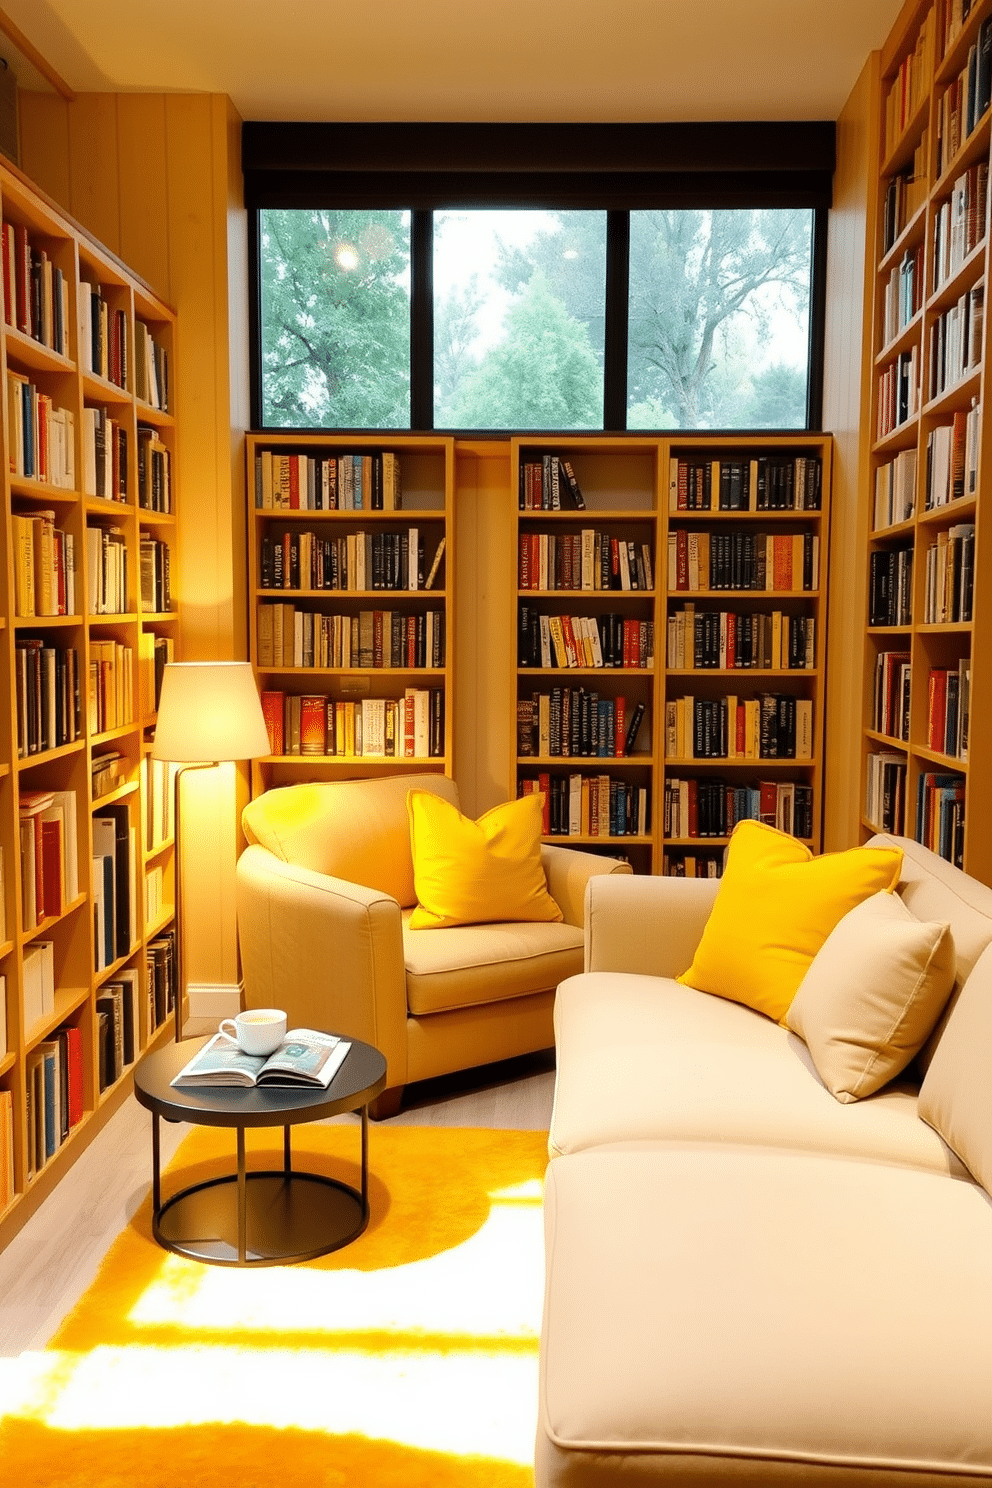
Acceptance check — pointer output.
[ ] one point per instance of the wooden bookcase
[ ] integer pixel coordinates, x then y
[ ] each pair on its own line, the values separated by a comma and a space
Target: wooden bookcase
361, 623
63, 619
630, 490
928, 651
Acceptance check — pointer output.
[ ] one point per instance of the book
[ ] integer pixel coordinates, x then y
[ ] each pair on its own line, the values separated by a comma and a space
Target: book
305, 1057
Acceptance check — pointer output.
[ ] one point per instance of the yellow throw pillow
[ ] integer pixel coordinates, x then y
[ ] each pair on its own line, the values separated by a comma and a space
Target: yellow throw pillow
466, 872
775, 907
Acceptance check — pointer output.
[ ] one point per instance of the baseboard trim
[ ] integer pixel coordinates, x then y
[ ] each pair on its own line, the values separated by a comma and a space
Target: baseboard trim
214, 1000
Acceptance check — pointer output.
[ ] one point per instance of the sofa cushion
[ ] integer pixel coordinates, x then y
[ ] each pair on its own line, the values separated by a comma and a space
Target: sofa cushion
775, 907
716, 1316
872, 993
472, 964
468, 872
642, 1059
357, 830
956, 1095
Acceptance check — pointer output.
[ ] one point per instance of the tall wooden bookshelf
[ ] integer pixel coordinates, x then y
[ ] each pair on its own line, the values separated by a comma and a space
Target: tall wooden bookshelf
718, 645
88, 496
351, 567
928, 646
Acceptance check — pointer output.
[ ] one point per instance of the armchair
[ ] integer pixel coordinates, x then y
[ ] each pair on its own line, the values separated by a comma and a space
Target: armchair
324, 895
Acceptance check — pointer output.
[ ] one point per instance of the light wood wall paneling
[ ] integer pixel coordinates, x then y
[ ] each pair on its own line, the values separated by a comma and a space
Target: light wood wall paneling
44, 130
94, 167
144, 202
484, 619
847, 395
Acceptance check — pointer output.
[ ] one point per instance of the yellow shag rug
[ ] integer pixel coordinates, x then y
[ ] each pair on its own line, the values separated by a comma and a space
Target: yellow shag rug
408, 1359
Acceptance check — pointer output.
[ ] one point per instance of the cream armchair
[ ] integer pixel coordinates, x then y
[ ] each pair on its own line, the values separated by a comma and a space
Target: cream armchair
324, 895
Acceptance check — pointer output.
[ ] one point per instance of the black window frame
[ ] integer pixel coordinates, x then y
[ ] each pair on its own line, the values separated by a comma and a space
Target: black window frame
618, 168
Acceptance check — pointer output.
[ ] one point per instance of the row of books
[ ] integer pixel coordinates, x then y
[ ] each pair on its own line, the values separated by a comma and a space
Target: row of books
549, 484
368, 640
154, 654
109, 768
692, 865
562, 641
905, 194
959, 222
713, 807
885, 791
151, 369
110, 686
909, 85
118, 1027
356, 560
158, 796
891, 694
154, 471
956, 340
940, 802
49, 854
366, 481
576, 722
106, 570
764, 483
44, 565
731, 639
895, 490
771, 726
41, 437
35, 290
105, 453
115, 895
902, 293
950, 575
103, 336
775, 562
160, 978
949, 708
952, 458
47, 686
890, 586
411, 727
583, 560
53, 1094
153, 575
579, 805
898, 392
965, 100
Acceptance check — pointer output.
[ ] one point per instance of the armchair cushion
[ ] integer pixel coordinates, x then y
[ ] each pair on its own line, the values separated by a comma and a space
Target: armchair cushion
471, 872
468, 965
352, 829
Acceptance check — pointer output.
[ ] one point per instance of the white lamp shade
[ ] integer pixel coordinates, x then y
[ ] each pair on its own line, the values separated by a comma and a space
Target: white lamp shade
209, 710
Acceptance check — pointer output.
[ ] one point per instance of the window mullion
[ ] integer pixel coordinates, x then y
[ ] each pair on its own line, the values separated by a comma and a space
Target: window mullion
422, 320
615, 330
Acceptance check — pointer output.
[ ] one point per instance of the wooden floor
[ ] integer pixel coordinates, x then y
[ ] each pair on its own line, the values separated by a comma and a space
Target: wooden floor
52, 1260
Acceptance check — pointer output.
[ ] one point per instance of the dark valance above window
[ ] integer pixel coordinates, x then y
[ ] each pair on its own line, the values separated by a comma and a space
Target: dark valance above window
620, 166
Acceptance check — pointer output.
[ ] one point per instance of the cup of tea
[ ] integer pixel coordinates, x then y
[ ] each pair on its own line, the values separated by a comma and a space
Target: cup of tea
257, 1031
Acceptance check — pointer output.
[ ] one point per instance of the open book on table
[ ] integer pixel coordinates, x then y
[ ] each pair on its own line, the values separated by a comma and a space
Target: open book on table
304, 1057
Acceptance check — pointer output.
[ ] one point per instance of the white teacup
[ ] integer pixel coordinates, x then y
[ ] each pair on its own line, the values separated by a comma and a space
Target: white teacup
257, 1031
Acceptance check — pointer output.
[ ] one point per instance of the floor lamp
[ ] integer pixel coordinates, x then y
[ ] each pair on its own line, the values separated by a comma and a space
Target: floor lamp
208, 712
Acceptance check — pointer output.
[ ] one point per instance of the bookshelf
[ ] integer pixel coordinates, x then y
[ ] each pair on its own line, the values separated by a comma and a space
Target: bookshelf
84, 953
351, 564
926, 650
710, 647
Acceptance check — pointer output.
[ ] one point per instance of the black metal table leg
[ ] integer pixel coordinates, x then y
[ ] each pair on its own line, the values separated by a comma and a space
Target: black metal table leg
242, 1199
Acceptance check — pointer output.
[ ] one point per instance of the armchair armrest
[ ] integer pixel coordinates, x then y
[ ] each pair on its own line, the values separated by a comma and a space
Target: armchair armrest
328, 951
568, 871
649, 925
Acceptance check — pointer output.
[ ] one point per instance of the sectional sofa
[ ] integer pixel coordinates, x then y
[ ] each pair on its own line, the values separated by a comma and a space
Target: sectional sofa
749, 1279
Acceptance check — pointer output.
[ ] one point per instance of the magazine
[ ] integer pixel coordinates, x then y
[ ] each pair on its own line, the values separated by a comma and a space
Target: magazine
304, 1057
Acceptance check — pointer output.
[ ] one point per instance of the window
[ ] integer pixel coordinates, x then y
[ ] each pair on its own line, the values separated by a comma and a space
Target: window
334, 290
528, 277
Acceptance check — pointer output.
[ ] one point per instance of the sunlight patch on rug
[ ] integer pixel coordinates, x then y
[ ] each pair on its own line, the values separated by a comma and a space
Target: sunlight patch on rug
415, 1346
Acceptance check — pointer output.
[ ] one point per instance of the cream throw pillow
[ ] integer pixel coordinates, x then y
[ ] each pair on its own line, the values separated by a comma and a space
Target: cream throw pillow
956, 1096
872, 994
